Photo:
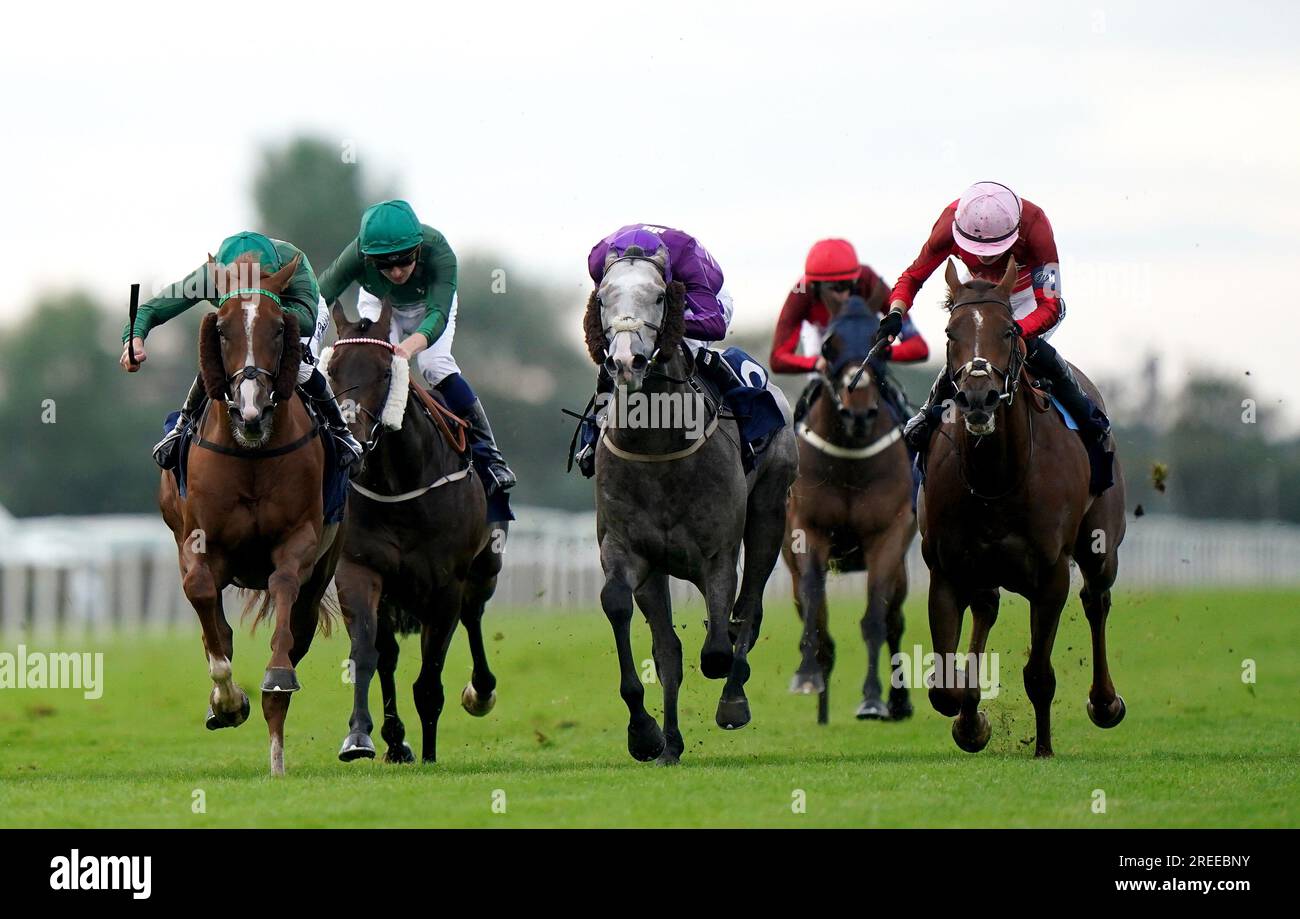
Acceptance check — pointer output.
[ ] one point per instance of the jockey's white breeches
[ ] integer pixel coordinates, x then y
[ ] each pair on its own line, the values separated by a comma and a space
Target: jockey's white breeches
435, 363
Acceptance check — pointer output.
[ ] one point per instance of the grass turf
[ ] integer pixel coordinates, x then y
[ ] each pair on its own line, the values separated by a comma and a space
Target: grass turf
1199, 747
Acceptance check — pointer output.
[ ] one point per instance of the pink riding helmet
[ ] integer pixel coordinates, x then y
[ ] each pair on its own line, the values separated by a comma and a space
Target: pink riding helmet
987, 221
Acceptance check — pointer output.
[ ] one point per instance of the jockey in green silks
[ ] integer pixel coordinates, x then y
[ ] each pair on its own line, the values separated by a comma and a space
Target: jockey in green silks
409, 264
301, 298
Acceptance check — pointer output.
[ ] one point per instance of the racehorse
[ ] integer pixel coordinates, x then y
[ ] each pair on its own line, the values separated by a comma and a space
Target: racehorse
672, 505
253, 512
851, 507
1006, 504
419, 554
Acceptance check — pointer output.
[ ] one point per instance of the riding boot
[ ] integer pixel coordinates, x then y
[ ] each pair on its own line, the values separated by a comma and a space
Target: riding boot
918, 429
1046, 362
589, 428
317, 388
164, 452
480, 433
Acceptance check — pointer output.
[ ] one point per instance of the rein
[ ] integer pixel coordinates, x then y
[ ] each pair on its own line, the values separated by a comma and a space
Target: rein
877, 446
437, 413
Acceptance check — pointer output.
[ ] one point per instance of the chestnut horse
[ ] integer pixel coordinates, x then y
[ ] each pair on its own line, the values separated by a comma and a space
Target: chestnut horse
851, 506
1006, 504
253, 514
419, 554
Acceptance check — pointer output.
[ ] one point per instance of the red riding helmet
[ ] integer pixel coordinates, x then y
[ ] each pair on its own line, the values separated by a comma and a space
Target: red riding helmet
832, 260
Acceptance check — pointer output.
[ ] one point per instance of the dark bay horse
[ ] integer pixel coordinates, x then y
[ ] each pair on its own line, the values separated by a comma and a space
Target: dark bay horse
851, 507
253, 514
1006, 505
672, 500
419, 554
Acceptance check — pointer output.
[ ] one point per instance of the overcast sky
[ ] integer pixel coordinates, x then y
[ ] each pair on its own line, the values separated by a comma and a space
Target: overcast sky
1161, 139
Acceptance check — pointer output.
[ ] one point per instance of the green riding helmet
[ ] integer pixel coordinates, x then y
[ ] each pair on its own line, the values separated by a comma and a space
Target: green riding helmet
232, 247
389, 226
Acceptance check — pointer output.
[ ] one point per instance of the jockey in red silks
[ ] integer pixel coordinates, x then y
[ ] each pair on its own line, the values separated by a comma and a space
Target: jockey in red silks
833, 276
985, 227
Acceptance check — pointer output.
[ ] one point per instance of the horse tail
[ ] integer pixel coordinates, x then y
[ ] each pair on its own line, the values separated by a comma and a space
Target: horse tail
261, 606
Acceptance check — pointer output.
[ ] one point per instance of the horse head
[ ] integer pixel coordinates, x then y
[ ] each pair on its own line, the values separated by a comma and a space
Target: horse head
635, 317
249, 349
848, 342
371, 380
985, 351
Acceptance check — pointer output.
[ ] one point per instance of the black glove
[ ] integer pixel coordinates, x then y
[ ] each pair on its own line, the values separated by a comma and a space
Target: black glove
890, 326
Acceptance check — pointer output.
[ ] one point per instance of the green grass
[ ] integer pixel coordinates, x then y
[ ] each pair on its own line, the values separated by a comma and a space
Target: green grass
1199, 747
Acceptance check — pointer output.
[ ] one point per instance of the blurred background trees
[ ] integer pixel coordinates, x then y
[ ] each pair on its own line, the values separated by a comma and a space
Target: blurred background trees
517, 342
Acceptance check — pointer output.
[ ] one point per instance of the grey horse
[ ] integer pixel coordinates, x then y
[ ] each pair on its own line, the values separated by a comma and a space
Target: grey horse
673, 501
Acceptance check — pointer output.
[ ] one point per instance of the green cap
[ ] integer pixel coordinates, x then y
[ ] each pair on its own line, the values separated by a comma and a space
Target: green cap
389, 226
232, 247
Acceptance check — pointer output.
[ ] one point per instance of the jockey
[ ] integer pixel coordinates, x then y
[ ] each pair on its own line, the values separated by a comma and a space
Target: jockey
409, 264
708, 303
832, 277
986, 226
300, 298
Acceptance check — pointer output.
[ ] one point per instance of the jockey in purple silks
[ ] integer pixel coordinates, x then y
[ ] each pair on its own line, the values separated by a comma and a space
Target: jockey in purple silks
708, 303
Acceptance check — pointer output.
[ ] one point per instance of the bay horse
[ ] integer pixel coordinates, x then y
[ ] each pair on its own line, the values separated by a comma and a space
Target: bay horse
670, 504
1006, 504
419, 553
851, 507
253, 511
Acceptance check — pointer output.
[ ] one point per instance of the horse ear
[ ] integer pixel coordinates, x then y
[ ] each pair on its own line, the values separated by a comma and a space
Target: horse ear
340, 318
660, 258
211, 367
610, 258
1009, 278
954, 282
278, 281
290, 359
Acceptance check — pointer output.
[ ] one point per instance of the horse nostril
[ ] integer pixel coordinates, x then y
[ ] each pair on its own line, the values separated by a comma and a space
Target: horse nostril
639, 362
990, 398
961, 399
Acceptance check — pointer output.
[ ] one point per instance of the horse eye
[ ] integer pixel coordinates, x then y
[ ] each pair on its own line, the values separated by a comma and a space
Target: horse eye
1008, 333
659, 300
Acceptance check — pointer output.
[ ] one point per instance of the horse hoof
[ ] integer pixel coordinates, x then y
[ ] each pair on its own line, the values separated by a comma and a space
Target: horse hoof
1107, 718
944, 702
400, 753
807, 684
646, 744
668, 758
715, 665
474, 704
280, 679
733, 715
900, 708
216, 719
872, 710
978, 742
357, 746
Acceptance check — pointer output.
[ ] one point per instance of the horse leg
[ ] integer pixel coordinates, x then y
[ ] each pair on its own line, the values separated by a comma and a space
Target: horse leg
947, 607
1105, 706
884, 560
359, 589
1040, 678
900, 705
719, 589
764, 533
656, 604
228, 705
972, 730
294, 560
816, 650
645, 741
480, 693
435, 639
393, 731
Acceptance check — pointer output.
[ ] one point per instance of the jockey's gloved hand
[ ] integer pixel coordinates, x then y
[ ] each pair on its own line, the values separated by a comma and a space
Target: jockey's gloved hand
889, 327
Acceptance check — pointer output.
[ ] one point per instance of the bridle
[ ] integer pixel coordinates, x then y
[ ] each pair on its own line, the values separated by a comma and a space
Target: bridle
377, 429
982, 367
252, 371
877, 446
634, 324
